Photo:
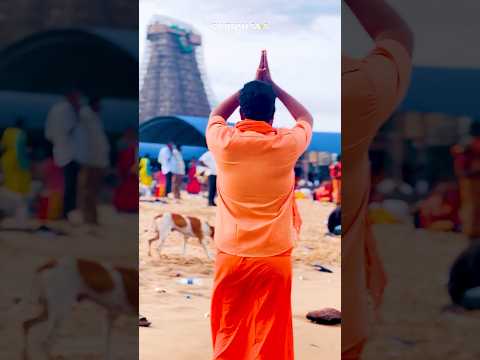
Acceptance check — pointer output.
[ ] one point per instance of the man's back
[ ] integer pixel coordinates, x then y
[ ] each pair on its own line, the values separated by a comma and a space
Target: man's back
257, 165
256, 187
257, 220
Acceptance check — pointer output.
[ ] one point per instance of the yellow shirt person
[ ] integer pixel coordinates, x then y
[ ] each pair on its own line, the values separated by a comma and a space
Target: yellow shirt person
14, 161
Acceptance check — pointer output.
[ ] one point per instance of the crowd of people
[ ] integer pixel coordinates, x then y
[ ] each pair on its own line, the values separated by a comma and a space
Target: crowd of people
81, 150
446, 204
59, 177
168, 174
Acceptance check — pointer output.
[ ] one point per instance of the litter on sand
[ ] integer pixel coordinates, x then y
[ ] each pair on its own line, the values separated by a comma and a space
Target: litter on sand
321, 268
327, 316
190, 281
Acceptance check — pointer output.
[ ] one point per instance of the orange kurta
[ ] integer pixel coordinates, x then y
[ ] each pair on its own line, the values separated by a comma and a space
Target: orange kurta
256, 228
256, 214
371, 89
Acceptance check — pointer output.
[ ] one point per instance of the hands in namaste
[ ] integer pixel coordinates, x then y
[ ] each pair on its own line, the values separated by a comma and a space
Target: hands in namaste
263, 72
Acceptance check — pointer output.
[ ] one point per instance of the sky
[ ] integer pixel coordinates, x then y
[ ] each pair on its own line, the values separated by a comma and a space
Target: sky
302, 39
445, 32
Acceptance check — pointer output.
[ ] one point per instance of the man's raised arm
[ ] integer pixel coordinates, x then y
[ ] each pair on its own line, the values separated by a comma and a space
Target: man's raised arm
227, 107
381, 22
297, 110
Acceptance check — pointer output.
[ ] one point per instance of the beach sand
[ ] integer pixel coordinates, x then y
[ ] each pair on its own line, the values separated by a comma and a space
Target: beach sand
180, 328
81, 334
180, 313
413, 325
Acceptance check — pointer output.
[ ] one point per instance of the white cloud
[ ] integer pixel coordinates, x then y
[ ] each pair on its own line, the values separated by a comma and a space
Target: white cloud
302, 40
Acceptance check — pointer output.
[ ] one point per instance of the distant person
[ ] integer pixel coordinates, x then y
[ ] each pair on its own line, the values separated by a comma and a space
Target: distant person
94, 158
15, 165
208, 161
178, 172
60, 126
167, 162
324, 192
52, 192
193, 185
464, 279
335, 169
467, 169
125, 198
145, 176
334, 222
372, 87
257, 221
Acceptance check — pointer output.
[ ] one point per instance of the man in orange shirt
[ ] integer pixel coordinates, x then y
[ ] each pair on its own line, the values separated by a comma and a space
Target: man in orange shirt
371, 89
257, 221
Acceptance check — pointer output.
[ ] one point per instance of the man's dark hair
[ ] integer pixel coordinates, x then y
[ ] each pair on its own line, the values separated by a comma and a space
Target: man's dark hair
257, 101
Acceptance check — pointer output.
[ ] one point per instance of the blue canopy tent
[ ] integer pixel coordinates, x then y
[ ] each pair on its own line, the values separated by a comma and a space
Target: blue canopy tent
190, 130
28, 87
182, 130
151, 150
451, 91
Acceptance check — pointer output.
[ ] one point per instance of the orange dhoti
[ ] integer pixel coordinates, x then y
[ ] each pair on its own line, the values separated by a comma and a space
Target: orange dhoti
251, 316
354, 352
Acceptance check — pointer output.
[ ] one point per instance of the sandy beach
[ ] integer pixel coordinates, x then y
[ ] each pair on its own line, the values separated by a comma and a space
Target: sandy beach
81, 334
180, 313
413, 325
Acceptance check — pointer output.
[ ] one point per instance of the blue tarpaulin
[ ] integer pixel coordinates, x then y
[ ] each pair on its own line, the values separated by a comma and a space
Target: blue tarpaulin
99, 62
451, 91
190, 130
151, 150
28, 88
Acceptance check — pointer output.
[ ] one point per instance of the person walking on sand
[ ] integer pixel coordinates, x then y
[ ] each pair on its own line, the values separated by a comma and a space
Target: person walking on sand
62, 121
94, 159
372, 88
257, 221
178, 172
208, 161
167, 163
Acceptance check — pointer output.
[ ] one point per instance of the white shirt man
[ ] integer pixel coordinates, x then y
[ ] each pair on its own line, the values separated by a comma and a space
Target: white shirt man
167, 160
93, 145
61, 124
59, 128
179, 168
209, 161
